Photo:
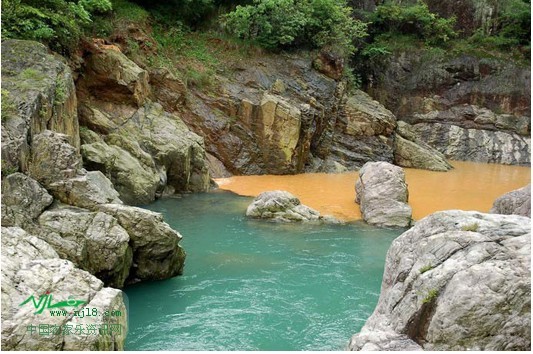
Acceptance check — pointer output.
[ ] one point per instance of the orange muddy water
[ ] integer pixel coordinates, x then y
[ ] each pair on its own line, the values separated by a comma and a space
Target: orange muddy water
470, 186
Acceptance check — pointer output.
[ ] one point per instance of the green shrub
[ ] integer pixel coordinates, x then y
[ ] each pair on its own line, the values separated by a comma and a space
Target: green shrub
415, 20
276, 24
57, 23
516, 21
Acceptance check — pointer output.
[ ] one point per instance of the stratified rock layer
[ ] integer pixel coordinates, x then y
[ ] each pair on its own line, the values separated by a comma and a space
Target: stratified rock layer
466, 107
145, 150
37, 94
382, 194
457, 280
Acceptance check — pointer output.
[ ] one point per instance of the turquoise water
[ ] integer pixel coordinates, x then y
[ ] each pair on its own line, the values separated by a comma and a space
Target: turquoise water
257, 285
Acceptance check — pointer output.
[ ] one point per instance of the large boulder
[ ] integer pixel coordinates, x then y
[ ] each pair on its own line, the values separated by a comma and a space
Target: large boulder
457, 280
156, 250
517, 202
178, 152
58, 166
280, 206
145, 152
31, 267
93, 241
23, 200
38, 93
86, 191
382, 195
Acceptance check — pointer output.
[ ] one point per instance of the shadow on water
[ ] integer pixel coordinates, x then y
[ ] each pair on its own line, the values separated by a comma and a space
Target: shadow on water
256, 285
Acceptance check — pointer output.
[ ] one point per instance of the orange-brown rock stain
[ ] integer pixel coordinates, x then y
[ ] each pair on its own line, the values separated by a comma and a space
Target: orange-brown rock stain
469, 186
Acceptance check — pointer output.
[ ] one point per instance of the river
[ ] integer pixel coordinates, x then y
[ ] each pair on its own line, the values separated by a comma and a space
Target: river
258, 285
469, 186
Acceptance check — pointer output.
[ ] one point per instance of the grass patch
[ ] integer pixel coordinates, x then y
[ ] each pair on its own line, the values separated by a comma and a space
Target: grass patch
60, 93
8, 106
426, 268
31, 74
431, 295
470, 227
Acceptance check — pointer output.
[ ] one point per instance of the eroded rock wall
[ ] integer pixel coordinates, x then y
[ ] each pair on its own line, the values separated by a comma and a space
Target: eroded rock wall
468, 108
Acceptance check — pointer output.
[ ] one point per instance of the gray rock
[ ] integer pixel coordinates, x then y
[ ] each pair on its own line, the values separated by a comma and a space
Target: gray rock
363, 132
478, 145
329, 166
86, 191
382, 194
53, 158
23, 200
156, 250
38, 94
216, 167
517, 202
456, 281
280, 206
411, 151
30, 267
93, 241
410, 154
135, 182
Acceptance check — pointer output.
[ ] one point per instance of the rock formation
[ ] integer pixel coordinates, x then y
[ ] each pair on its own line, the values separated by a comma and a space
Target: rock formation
66, 223
382, 194
145, 151
468, 108
457, 280
282, 206
517, 202
411, 151
31, 267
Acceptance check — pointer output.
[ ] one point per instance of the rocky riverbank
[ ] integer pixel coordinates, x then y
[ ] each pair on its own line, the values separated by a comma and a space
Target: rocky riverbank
458, 280
66, 230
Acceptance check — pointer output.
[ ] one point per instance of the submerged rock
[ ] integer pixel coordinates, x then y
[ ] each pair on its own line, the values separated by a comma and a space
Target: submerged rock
283, 206
382, 194
517, 202
31, 267
458, 280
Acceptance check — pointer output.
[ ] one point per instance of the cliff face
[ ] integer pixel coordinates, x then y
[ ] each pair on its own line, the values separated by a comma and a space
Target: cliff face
466, 107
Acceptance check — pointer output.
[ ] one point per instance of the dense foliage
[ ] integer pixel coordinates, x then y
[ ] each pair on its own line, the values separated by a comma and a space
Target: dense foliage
277, 24
58, 23
514, 23
414, 20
